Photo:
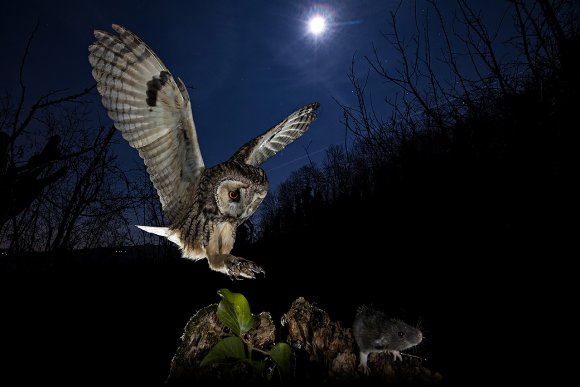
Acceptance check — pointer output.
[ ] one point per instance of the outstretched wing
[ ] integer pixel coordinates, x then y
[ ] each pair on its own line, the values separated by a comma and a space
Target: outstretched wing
274, 140
152, 110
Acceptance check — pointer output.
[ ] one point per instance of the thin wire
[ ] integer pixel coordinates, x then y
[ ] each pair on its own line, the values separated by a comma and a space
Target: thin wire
299, 158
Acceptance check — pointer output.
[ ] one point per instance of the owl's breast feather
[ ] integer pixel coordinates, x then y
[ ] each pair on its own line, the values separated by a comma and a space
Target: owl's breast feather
222, 237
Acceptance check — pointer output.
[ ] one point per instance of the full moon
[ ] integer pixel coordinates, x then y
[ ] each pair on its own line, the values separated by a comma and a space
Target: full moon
316, 25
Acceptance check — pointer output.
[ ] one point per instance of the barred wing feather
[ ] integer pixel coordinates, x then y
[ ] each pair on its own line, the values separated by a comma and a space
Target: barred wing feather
274, 140
153, 112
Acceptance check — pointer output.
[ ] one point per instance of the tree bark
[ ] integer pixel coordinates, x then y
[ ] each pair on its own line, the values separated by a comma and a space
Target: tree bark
323, 351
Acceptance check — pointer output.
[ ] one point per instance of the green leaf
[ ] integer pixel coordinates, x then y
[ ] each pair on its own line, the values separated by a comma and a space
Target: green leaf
280, 354
224, 351
258, 366
234, 312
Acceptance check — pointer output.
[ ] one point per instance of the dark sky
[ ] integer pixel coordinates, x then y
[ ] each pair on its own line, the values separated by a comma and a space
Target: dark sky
251, 62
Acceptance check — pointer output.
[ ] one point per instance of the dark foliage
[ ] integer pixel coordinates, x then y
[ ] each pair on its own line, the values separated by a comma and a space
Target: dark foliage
19, 186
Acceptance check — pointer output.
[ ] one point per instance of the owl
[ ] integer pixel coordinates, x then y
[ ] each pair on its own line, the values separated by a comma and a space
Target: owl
152, 109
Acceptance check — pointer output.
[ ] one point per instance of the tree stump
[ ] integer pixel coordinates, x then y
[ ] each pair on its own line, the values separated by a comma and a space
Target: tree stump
323, 352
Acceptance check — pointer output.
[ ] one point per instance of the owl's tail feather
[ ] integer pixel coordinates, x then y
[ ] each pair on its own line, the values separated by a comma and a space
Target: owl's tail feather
161, 231
164, 232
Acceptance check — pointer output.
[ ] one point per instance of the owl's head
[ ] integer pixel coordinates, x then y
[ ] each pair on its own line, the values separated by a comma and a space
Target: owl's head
239, 194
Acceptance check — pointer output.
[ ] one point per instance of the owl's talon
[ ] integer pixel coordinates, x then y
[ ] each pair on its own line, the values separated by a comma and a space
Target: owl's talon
204, 205
240, 268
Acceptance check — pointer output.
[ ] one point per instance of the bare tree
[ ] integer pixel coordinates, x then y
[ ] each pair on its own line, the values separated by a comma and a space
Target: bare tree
472, 119
62, 187
20, 185
441, 85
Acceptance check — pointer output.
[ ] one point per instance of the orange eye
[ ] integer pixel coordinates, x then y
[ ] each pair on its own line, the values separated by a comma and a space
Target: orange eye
234, 195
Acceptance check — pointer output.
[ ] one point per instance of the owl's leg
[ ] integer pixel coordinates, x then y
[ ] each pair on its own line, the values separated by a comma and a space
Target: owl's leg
235, 267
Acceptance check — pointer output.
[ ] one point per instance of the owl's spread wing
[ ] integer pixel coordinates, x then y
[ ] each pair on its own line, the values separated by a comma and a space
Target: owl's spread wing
152, 110
274, 140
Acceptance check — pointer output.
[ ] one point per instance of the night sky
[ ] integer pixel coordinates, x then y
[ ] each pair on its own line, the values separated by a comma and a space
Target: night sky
249, 64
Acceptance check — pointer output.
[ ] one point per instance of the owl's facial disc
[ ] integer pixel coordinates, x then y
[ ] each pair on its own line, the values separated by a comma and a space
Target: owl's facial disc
237, 199
253, 204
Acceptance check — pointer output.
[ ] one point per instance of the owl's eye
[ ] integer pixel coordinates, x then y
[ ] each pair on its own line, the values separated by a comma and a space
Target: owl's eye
234, 195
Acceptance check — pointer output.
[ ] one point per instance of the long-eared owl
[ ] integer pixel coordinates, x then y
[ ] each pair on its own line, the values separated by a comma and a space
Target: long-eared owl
204, 206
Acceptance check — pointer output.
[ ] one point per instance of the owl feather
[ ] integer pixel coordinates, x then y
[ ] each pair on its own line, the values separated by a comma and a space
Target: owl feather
152, 110
263, 147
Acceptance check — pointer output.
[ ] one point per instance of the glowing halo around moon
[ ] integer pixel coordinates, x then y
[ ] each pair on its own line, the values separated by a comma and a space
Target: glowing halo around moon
317, 25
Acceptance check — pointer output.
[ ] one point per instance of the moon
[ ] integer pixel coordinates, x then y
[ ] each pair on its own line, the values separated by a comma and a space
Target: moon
317, 25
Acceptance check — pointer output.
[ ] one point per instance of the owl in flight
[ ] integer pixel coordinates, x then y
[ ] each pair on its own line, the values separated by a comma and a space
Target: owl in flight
153, 112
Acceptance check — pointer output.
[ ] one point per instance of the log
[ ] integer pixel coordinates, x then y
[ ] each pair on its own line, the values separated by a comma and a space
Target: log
323, 352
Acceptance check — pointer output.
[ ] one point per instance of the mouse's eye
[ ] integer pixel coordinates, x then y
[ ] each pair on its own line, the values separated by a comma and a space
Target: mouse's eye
234, 195
401, 333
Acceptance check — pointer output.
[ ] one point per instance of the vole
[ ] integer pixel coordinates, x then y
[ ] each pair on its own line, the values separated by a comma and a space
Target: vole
375, 332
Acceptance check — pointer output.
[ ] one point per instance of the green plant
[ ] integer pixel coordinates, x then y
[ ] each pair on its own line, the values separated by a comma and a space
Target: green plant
234, 312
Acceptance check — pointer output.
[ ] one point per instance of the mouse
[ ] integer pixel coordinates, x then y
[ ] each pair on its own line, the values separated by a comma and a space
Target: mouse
376, 332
